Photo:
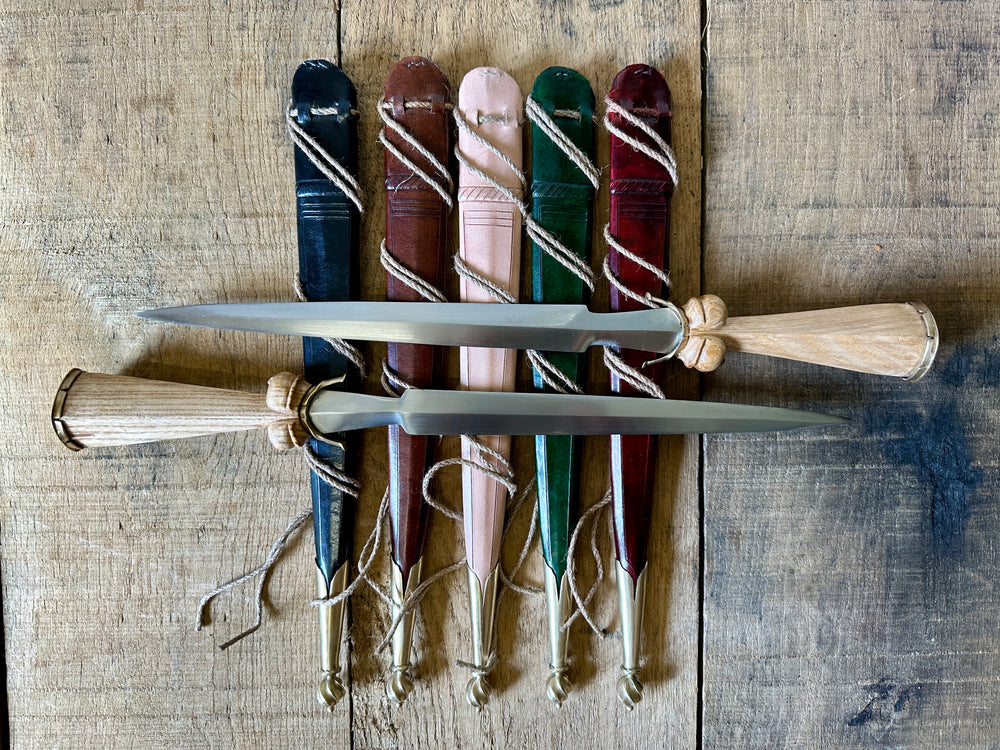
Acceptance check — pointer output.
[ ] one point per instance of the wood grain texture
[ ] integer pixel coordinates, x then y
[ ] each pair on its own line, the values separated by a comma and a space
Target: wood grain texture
95, 410
145, 163
850, 576
897, 339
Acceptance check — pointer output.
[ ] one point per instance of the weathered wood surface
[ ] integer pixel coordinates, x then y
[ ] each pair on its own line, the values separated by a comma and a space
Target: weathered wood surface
145, 163
850, 576
850, 158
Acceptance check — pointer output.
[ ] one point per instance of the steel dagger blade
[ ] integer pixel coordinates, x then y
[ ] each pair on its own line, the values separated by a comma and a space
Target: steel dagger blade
562, 328
429, 412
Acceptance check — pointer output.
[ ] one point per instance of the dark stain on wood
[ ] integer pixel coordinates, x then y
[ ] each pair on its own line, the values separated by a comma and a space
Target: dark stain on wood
887, 700
933, 442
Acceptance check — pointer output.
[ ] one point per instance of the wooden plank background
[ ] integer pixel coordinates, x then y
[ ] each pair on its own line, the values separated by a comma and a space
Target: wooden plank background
849, 154
850, 576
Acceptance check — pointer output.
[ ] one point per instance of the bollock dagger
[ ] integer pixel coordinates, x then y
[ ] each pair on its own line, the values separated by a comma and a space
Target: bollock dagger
97, 410
897, 339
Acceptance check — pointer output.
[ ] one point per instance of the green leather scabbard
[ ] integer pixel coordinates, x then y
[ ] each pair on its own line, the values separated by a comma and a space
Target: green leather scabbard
561, 200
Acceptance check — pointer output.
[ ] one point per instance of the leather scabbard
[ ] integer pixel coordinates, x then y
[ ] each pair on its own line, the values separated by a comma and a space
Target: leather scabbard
416, 231
640, 217
561, 202
328, 230
490, 243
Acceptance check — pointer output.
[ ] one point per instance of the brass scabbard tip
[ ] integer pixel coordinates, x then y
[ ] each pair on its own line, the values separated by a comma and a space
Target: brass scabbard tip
557, 687
559, 606
330, 690
629, 689
631, 599
477, 692
399, 685
400, 682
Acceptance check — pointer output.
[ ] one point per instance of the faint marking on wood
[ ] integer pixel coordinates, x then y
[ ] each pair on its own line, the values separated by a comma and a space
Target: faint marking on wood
888, 701
933, 441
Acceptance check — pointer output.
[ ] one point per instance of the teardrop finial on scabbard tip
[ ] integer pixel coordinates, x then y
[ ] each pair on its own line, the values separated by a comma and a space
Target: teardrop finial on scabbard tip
330, 691
557, 687
631, 600
399, 685
558, 607
629, 688
482, 609
477, 692
400, 682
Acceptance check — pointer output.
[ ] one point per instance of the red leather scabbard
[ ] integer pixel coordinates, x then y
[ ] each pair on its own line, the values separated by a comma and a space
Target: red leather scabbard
640, 190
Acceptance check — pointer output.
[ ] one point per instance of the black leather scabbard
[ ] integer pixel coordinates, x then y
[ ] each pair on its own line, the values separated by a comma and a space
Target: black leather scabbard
323, 105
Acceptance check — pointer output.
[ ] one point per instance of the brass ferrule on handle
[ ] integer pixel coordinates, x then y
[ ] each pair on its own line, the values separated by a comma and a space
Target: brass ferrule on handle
59, 410
331, 633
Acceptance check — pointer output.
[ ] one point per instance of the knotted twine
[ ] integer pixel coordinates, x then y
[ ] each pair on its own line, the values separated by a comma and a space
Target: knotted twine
657, 149
338, 175
329, 474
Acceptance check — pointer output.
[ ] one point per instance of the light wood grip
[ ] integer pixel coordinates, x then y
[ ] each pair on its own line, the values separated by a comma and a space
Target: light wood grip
95, 410
898, 339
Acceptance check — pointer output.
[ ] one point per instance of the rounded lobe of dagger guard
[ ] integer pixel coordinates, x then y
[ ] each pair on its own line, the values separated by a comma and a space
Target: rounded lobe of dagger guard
287, 434
701, 350
285, 392
707, 312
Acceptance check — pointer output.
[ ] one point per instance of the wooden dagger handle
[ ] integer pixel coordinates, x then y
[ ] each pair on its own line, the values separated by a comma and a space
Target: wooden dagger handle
898, 339
93, 410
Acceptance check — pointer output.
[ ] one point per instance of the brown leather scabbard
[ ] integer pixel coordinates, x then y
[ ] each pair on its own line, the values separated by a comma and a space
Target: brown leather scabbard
418, 99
